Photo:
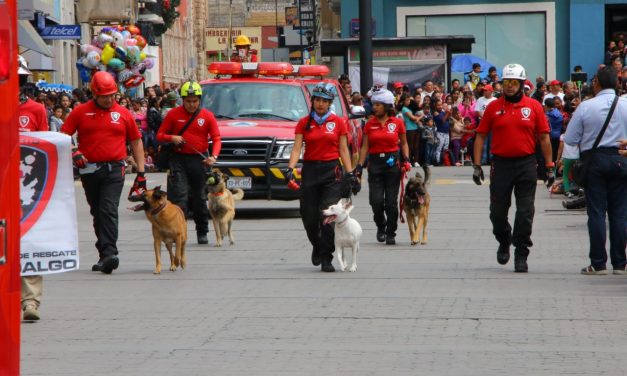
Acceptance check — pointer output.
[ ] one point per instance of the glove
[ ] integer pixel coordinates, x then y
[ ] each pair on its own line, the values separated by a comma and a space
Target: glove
356, 187
477, 176
359, 169
78, 159
406, 166
289, 174
139, 185
550, 177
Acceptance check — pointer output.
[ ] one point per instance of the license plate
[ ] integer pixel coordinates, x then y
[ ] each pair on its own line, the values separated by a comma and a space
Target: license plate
239, 182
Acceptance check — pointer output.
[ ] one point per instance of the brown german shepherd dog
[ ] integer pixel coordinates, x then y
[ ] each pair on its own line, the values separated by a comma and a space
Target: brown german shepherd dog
416, 206
168, 226
222, 205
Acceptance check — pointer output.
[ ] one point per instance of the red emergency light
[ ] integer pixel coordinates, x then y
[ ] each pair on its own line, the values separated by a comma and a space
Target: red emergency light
275, 69
312, 71
225, 67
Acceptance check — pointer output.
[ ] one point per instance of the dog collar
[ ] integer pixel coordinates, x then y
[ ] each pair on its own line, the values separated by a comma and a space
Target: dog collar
218, 193
158, 209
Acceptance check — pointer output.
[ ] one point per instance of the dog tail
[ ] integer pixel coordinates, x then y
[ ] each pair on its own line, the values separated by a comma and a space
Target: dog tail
238, 194
427, 172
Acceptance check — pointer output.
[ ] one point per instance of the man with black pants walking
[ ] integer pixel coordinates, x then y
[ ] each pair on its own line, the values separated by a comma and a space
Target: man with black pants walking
189, 127
606, 181
103, 128
516, 122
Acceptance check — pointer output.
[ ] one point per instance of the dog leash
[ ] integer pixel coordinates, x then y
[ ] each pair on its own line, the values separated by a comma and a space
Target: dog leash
401, 200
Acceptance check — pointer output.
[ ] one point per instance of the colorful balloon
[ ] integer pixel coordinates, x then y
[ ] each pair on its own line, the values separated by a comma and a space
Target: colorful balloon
125, 75
116, 64
120, 53
93, 59
118, 38
103, 39
149, 63
141, 41
134, 30
131, 42
107, 54
132, 55
134, 81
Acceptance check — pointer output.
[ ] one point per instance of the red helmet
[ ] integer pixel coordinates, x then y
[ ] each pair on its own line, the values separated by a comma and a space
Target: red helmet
103, 83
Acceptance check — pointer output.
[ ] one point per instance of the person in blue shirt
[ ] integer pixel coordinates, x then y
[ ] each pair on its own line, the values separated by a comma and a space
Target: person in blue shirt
440, 117
556, 122
606, 179
412, 129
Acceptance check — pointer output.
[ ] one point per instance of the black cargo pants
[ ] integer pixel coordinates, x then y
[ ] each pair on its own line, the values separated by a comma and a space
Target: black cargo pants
516, 175
383, 184
321, 187
187, 180
103, 188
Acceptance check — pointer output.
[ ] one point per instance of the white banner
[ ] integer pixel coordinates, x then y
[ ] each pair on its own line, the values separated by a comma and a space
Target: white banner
49, 233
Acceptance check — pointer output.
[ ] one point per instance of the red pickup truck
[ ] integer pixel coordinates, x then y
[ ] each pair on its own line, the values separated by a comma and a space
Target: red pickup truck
257, 106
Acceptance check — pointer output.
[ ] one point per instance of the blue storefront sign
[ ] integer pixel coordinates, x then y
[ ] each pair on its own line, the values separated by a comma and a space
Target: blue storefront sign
61, 32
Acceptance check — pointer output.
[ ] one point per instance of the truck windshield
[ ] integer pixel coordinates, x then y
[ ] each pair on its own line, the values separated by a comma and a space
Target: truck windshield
250, 100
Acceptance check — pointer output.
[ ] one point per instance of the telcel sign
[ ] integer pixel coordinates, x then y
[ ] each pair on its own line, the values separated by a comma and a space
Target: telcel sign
61, 32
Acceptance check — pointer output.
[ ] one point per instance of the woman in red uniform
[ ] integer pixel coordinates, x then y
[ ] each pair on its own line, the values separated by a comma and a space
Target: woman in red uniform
385, 144
323, 179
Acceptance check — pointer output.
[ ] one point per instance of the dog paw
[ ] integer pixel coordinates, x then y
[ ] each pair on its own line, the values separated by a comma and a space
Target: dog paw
172, 268
414, 243
231, 242
353, 269
157, 271
423, 242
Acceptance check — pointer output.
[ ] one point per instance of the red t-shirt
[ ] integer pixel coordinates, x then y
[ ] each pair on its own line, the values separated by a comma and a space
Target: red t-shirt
33, 117
384, 138
514, 126
102, 134
322, 142
196, 135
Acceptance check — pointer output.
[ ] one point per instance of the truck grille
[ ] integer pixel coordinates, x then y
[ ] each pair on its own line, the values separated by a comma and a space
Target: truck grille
249, 150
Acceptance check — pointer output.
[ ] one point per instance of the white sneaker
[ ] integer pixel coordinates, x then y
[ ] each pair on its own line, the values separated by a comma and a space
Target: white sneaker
416, 164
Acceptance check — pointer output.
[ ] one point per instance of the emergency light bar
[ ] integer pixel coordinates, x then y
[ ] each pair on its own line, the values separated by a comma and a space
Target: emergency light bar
275, 69
311, 70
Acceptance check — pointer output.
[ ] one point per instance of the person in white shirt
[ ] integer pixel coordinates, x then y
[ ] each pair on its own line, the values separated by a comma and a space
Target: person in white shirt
556, 91
484, 101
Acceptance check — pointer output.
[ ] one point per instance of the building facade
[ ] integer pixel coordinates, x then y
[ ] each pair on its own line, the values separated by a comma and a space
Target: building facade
548, 37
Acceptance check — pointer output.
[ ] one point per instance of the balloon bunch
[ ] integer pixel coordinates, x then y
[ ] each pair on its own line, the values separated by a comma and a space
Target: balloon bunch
117, 50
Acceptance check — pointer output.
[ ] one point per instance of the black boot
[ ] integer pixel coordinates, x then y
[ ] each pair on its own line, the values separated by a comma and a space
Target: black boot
202, 238
109, 264
315, 257
520, 264
502, 254
380, 234
327, 266
97, 266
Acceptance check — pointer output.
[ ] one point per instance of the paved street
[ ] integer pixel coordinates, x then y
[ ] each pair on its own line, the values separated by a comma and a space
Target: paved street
260, 308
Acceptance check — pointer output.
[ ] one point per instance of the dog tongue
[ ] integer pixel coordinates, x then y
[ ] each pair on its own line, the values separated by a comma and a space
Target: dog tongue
137, 207
421, 199
328, 219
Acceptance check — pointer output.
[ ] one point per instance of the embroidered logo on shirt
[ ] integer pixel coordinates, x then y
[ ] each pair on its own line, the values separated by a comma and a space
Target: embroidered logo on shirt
115, 116
526, 112
24, 120
201, 122
330, 127
391, 127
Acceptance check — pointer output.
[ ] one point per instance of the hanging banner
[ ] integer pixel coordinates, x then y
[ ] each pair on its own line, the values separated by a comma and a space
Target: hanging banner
48, 227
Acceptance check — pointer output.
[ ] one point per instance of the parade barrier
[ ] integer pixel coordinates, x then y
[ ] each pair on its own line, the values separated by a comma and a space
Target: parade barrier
48, 225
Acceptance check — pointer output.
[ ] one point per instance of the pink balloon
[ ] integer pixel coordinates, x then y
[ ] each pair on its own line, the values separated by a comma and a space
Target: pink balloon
131, 42
149, 63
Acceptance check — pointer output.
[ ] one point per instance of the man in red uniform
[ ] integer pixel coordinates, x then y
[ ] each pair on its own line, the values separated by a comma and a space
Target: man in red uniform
32, 118
190, 158
516, 122
103, 128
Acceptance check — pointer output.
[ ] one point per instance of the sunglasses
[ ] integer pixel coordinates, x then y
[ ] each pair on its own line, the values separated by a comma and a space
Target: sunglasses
511, 83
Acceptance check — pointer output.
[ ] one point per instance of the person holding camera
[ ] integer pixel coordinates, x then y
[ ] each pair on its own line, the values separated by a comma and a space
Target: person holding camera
385, 145
324, 178
606, 179
517, 122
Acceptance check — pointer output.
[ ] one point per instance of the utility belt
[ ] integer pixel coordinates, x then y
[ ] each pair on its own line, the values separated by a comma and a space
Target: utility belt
91, 167
603, 150
513, 159
390, 159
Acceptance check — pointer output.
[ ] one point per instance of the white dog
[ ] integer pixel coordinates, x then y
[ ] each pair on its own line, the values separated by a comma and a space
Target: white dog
347, 231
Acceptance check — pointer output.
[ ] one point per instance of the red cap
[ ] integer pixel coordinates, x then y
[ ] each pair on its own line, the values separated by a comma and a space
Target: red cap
103, 83
528, 83
555, 82
398, 85
488, 87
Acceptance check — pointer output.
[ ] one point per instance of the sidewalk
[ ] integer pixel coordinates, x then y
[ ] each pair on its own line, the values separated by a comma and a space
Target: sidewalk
260, 308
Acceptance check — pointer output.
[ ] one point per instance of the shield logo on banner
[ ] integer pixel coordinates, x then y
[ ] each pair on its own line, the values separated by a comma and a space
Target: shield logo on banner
391, 127
526, 112
38, 175
24, 120
115, 116
330, 127
201, 122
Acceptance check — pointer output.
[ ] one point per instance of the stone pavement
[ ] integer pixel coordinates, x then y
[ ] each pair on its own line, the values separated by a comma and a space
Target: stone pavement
260, 308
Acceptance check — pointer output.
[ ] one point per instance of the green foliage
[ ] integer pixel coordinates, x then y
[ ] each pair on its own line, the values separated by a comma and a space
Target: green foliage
169, 15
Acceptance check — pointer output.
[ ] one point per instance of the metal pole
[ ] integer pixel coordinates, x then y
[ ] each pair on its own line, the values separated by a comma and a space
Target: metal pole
300, 25
365, 45
228, 48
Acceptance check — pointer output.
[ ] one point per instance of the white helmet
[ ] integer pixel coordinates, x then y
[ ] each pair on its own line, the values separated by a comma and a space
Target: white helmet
22, 66
382, 96
514, 72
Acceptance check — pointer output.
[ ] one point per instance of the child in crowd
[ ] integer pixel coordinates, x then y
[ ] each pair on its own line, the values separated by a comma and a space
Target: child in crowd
56, 120
457, 132
428, 136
